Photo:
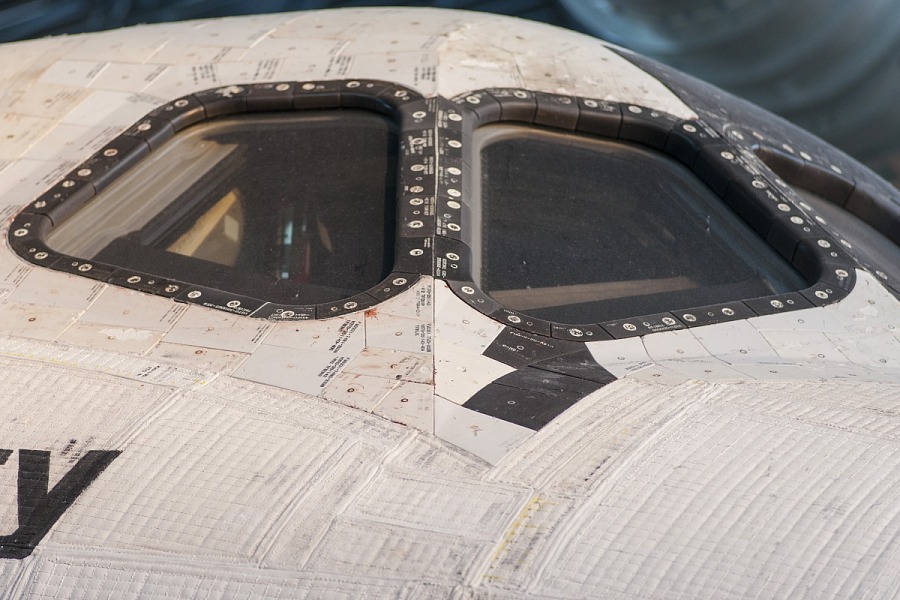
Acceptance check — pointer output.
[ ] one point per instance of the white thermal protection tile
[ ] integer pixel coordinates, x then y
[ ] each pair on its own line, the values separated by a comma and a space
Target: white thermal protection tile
620, 357
208, 328
488, 438
304, 371
131, 309
410, 404
393, 364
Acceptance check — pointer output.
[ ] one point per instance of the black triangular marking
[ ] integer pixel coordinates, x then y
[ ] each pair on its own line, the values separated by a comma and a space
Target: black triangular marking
580, 364
535, 395
520, 348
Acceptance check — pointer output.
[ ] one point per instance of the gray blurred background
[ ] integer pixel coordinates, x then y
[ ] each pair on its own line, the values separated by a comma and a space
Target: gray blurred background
831, 66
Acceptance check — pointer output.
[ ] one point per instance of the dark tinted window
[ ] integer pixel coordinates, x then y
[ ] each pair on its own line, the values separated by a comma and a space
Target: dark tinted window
295, 208
581, 230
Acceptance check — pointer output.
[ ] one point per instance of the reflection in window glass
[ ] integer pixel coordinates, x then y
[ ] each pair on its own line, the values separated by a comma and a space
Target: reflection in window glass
581, 230
216, 234
294, 208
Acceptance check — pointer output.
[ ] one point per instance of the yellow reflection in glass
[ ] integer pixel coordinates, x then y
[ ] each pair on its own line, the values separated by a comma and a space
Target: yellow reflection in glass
216, 234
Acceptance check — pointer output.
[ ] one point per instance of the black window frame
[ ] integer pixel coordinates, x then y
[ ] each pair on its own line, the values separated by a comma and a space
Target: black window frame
407, 109
727, 165
434, 228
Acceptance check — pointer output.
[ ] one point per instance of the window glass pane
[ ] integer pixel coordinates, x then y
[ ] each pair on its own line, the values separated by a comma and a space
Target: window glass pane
296, 208
580, 230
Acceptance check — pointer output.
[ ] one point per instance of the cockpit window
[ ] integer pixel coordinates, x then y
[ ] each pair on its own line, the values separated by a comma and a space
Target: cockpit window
296, 207
567, 217
579, 229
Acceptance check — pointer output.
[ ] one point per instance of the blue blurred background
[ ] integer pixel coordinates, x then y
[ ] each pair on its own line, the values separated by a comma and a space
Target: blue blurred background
832, 66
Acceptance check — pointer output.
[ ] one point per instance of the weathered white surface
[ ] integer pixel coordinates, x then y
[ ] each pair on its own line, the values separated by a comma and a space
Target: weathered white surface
755, 458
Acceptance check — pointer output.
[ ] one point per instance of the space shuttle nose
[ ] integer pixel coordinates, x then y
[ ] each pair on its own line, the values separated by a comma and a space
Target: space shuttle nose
431, 304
